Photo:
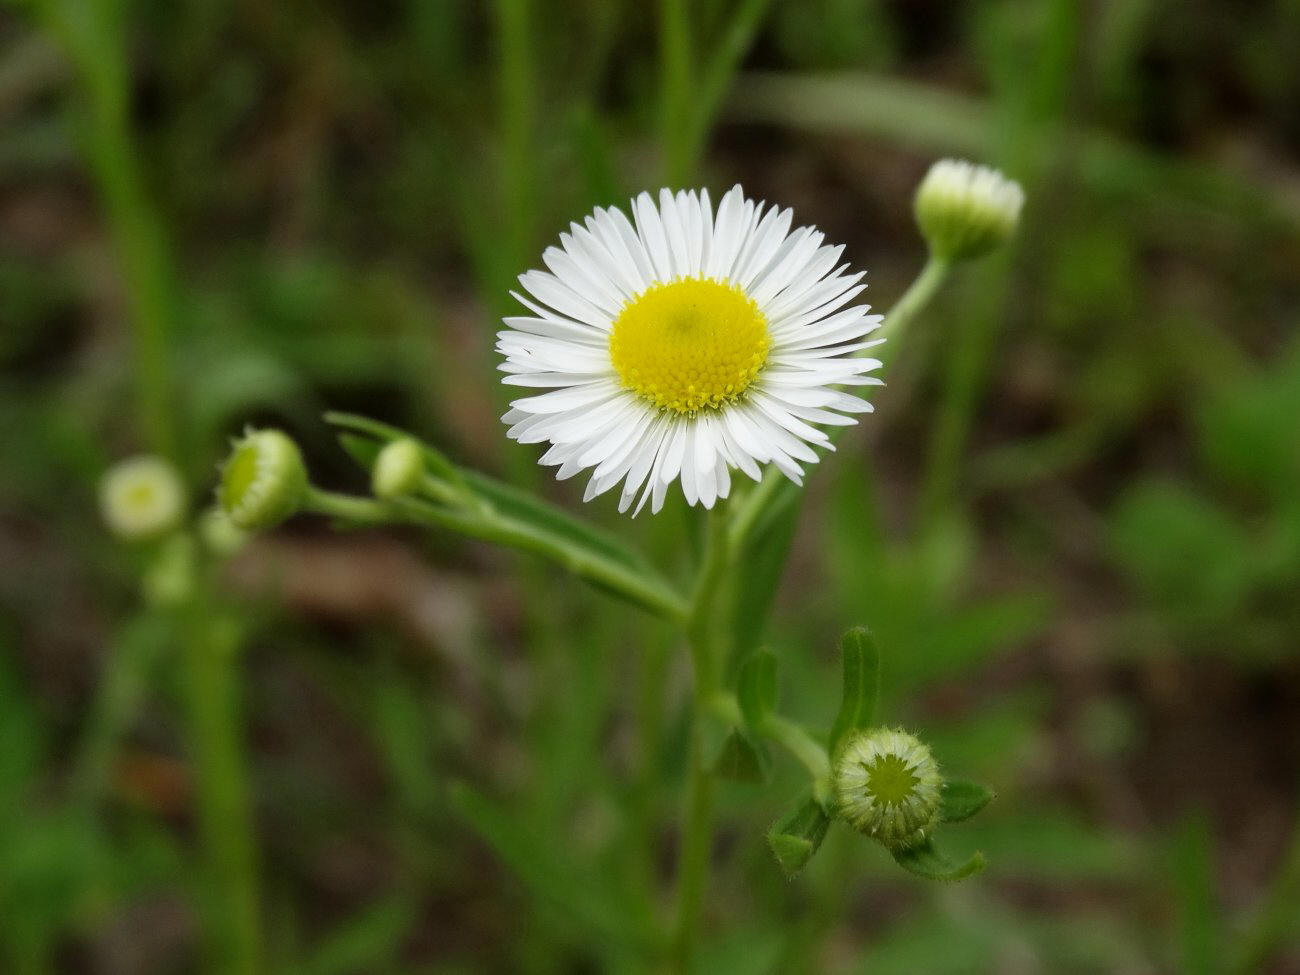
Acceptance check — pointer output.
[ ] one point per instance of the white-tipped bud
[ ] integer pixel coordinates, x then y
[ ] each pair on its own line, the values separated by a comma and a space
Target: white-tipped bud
142, 498
398, 469
264, 480
965, 210
887, 785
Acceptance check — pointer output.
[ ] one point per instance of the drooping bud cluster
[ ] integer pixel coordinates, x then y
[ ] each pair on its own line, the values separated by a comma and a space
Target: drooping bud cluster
887, 786
264, 480
398, 469
965, 210
142, 498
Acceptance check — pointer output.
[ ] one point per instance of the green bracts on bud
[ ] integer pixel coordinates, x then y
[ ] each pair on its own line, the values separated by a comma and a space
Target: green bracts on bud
142, 498
398, 469
263, 482
796, 836
887, 786
965, 210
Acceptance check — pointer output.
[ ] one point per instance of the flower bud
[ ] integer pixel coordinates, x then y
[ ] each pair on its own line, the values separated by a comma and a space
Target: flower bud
887, 786
264, 480
142, 498
965, 210
398, 469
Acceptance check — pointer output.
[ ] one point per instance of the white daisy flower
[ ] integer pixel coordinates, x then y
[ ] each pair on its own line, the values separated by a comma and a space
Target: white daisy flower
682, 344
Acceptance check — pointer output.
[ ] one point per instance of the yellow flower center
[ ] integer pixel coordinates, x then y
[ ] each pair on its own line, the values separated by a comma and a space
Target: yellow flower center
689, 345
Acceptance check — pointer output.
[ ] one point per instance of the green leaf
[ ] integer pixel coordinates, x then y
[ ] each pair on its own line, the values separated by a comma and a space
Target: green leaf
962, 800
764, 555
1191, 872
509, 516
435, 459
757, 687
861, 684
363, 450
797, 835
926, 861
742, 759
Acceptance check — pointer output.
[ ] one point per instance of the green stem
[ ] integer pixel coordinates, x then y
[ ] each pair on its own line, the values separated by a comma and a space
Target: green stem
795, 739
223, 803
916, 297
697, 830
965, 371
790, 735
95, 41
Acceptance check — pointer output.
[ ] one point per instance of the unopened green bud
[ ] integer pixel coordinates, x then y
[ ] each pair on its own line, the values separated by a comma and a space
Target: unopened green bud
264, 480
142, 498
887, 785
966, 210
398, 469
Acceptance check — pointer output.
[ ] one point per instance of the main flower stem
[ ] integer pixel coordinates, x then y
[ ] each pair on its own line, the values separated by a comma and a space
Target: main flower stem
697, 831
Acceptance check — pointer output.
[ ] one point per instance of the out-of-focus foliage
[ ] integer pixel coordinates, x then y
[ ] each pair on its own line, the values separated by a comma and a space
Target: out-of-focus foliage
1072, 523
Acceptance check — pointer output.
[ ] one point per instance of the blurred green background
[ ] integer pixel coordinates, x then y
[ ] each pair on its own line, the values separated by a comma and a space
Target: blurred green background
1073, 521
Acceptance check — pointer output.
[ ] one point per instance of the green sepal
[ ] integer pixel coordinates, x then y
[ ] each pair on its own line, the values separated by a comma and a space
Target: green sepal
961, 800
797, 835
926, 861
743, 759
861, 685
757, 688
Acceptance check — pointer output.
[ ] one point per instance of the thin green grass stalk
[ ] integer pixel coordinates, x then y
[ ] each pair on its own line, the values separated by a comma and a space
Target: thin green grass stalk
517, 109
717, 73
1030, 136
966, 370
93, 36
675, 90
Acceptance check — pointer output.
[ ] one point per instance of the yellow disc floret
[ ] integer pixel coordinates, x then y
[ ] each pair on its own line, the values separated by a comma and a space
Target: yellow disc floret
689, 345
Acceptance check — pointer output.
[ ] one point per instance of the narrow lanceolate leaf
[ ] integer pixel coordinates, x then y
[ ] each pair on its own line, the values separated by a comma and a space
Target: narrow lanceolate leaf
757, 688
926, 861
797, 835
383, 432
742, 759
961, 800
498, 512
764, 552
861, 685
